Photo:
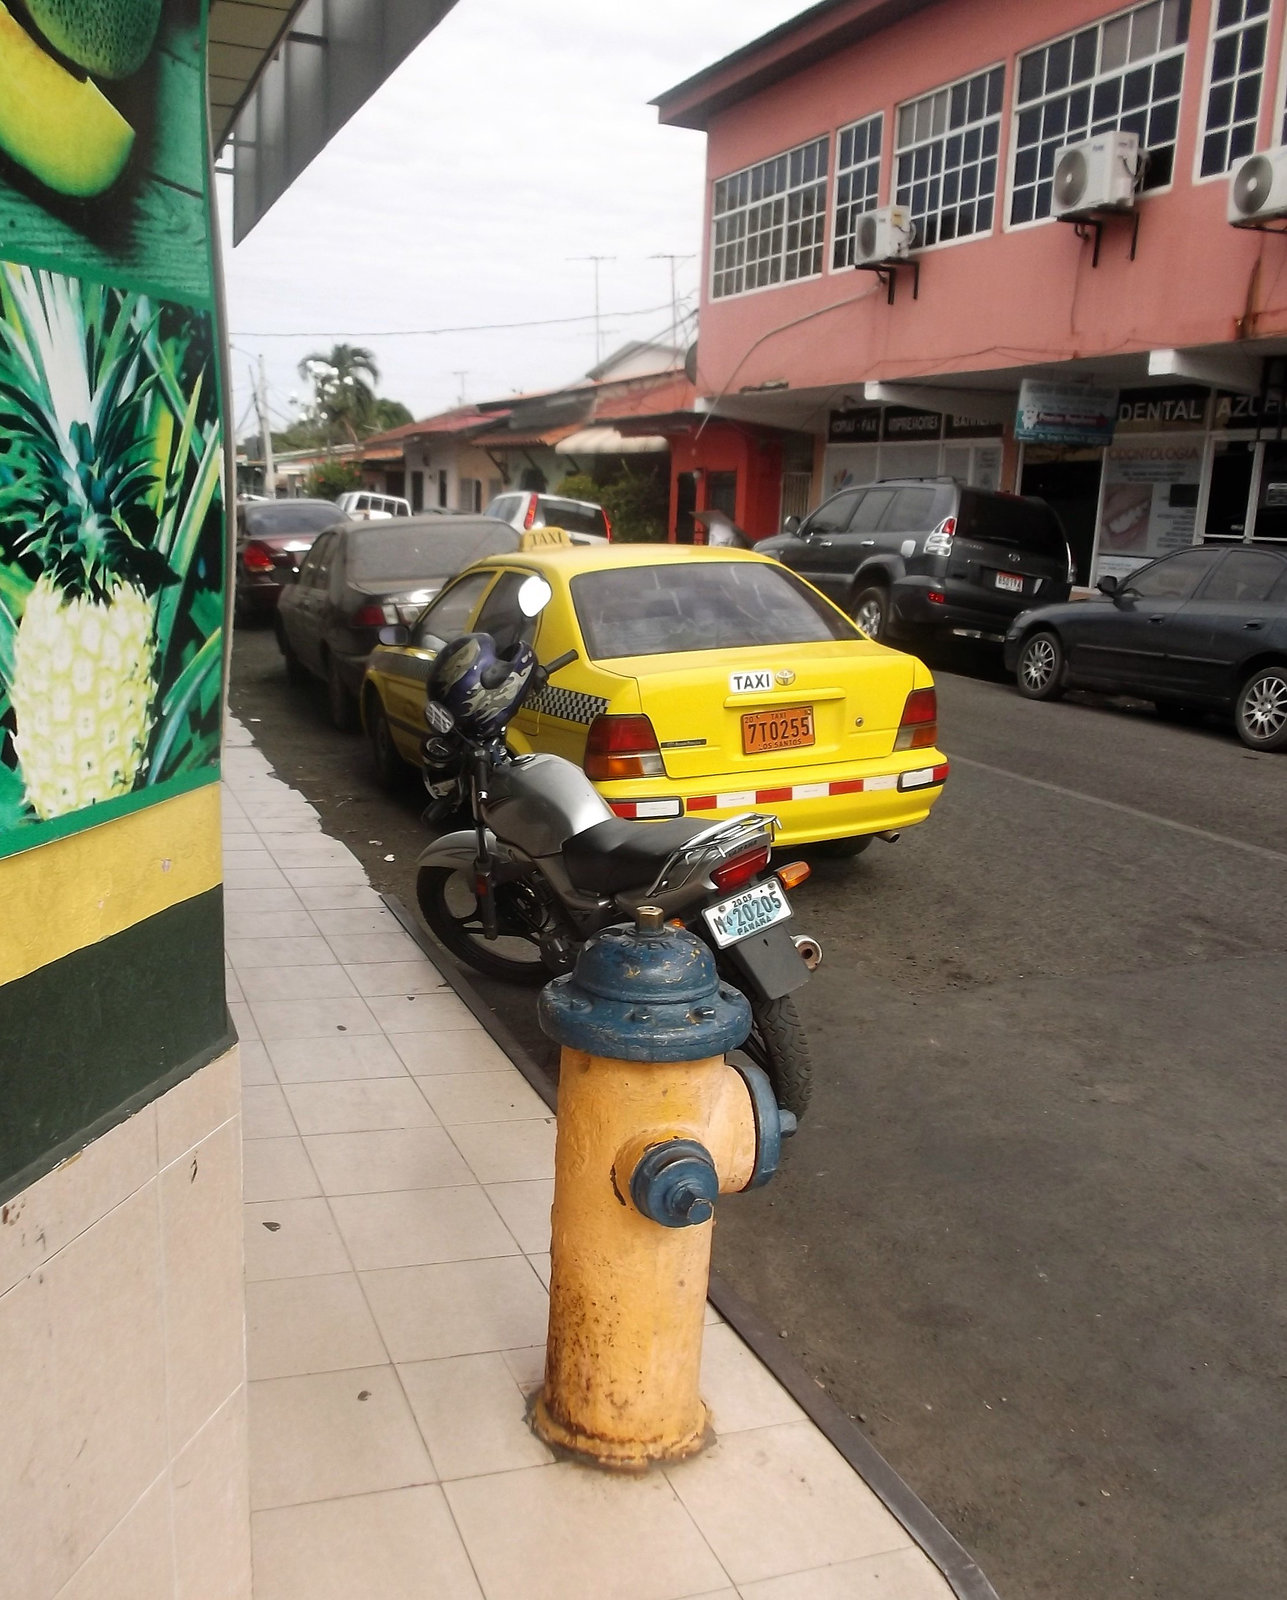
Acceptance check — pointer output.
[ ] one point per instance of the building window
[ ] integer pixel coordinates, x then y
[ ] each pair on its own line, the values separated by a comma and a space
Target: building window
857, 180
1123, 73
945, 158
769, 220
1233, 94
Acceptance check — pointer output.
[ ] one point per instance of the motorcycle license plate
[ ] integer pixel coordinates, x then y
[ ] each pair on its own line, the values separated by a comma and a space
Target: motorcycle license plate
749, 912
787, 729
1011, 581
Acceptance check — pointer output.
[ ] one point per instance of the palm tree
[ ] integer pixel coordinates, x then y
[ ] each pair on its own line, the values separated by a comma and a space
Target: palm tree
342, 394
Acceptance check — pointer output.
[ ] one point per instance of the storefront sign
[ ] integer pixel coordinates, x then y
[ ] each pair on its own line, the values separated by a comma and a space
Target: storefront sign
854, 427
1150, 501
1175, 409
1234, 411
111, 504
1065, 414
901, 423
956, 426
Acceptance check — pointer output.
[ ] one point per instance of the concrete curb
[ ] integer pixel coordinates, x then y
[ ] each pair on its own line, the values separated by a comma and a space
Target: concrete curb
956, 1564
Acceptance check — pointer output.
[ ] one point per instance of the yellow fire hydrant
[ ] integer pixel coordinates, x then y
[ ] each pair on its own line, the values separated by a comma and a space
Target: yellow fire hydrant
653, 1125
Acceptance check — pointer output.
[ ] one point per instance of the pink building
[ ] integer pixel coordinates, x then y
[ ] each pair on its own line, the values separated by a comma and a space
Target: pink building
988, 351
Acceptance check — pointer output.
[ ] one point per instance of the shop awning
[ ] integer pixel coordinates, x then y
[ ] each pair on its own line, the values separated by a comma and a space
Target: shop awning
604, 441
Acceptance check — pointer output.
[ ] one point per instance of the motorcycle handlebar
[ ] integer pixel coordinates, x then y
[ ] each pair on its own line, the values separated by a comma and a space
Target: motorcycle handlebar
559, 662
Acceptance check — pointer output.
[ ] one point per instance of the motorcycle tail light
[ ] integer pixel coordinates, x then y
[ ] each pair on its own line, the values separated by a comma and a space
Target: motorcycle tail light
622, 747
257, 557
741, 869
918, 729
793, 874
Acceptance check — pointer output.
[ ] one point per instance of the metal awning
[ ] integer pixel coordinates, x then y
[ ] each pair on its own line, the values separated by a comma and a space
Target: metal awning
242, 36
604, 441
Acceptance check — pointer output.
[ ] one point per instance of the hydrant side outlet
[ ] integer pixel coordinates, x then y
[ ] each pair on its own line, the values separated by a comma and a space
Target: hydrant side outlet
675, 1184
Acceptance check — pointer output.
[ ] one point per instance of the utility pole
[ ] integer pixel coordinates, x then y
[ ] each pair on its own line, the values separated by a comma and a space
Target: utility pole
664, 255
460, 398
598, 339
265, 431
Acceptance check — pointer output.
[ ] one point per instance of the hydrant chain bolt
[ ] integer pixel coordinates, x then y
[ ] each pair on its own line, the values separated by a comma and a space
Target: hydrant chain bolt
653, 1125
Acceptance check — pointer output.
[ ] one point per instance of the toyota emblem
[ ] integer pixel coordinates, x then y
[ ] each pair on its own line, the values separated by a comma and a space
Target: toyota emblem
785, 676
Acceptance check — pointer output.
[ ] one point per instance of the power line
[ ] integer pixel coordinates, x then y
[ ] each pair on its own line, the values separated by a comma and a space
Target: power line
433, 333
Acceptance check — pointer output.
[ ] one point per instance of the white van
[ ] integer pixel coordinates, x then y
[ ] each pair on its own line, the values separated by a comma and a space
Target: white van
364, 506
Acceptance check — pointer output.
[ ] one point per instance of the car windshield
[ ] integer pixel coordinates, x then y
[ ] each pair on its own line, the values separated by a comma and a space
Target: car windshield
289, 516
1009, 520
429, 549
575, 515
717, 605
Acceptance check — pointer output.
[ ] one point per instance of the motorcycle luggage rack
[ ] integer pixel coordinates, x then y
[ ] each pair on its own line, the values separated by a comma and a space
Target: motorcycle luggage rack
714, 844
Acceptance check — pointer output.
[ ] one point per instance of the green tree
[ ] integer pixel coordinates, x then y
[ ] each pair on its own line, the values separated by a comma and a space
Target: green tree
343, 380
330, 479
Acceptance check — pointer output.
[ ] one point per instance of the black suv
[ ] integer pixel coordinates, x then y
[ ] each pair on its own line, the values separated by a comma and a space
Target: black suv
909, 555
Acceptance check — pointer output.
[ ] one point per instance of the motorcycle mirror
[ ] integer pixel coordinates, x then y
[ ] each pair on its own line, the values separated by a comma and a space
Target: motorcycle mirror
534, 594
438, 717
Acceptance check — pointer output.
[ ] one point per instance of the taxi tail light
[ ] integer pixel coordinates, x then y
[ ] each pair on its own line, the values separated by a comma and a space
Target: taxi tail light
257, 557
918, 729
793, 874
741, 869
939, 543
530, 518
622, 747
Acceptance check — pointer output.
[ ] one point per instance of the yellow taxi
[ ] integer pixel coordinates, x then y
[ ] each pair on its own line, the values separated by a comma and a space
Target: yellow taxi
707, 682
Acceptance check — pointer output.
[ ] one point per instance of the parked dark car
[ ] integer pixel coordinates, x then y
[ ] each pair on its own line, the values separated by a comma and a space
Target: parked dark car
1202, 629
364, 575
273, 537
911, 556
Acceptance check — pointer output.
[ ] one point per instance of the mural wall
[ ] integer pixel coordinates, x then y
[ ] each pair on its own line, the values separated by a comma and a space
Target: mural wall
111, 495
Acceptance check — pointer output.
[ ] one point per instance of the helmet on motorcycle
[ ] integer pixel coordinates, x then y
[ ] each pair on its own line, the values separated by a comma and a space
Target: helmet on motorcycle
480, 685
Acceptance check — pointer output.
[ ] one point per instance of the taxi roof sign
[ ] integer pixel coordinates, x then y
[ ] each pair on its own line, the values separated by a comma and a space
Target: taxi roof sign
544, 539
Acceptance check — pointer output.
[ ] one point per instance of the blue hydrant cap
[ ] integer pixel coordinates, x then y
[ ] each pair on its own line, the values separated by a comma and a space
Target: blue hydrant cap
648, 993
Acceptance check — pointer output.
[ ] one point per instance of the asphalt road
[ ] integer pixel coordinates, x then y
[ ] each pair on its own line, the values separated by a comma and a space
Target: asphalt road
1032, 1232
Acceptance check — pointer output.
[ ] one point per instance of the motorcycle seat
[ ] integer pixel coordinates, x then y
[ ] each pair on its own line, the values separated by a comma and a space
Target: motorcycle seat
620, 854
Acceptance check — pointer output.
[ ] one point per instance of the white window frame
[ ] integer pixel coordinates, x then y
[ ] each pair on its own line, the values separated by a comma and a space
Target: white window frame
820, 181
1016, 109
997, 116
834, 234
1215, 177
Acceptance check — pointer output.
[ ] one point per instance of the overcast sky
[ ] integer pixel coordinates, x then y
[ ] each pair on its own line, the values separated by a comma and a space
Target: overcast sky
518, 136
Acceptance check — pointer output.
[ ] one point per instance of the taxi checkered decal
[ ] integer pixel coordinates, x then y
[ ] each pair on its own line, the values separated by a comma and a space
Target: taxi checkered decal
569, 705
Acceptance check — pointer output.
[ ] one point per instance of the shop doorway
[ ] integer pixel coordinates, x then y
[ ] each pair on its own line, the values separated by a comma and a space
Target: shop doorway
685, 505
1068, 481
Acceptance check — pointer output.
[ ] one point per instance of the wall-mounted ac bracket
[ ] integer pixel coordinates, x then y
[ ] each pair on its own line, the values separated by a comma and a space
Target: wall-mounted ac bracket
887, 274
1265, 227
1090, 225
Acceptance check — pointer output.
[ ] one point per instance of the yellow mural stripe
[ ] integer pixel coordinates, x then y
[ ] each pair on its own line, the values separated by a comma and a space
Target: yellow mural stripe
73, 892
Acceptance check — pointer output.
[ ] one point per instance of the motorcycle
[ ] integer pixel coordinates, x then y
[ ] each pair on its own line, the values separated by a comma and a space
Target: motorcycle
547, 864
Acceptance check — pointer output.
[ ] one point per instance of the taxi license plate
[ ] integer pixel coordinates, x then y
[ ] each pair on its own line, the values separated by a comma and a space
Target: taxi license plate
788, 728
747, 913
1011, 581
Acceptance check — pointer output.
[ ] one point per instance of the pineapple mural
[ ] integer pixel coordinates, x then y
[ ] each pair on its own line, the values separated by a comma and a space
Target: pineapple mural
110, 546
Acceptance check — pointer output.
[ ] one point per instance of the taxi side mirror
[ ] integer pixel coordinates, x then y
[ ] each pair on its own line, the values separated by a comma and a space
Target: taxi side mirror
393, 633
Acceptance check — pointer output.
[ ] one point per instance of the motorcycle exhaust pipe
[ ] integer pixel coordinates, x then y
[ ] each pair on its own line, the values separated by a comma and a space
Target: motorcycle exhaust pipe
810, 950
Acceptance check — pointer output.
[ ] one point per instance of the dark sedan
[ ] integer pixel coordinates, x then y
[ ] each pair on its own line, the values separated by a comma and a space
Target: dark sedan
273, 537
359, 577
1200, 630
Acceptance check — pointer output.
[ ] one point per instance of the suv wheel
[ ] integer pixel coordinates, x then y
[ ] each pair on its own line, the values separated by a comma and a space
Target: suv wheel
870, 611
1040, 670
1260, 711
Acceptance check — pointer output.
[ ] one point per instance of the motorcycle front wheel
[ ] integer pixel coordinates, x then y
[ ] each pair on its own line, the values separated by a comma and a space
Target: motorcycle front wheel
779, 1045
451, 911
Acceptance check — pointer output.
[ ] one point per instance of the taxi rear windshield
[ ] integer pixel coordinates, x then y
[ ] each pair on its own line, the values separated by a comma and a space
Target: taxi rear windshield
650, 611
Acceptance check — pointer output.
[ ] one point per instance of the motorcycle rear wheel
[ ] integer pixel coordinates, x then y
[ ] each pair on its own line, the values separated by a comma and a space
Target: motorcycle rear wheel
779, 1045
450, 909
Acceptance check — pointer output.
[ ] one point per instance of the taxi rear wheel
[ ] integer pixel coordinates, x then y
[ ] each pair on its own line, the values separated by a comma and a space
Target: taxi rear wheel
386, 763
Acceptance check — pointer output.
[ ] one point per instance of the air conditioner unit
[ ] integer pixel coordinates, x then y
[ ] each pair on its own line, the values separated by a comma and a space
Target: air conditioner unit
1258, 189
884, 235
1097, 174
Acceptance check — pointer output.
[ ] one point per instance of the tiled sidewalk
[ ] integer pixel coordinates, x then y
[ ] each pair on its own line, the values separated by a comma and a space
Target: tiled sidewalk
398, 1179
